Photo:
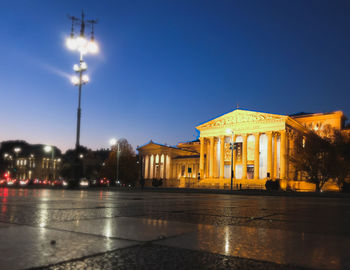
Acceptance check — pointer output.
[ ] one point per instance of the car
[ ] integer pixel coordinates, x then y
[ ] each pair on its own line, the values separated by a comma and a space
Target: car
24, 182
104, 182
65, 183
3, 182
36, 181
56, 183
84, 182
45, 182
12, 182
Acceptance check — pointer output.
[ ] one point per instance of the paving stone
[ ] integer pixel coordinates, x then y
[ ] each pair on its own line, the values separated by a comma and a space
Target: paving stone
156, 257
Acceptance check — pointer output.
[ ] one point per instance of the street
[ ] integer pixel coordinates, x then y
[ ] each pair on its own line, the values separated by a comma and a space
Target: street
101, 229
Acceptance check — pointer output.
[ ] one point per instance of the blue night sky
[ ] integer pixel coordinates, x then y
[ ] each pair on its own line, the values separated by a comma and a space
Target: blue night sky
166, 66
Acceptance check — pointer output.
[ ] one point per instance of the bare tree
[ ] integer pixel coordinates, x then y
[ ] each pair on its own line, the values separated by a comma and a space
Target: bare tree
341, 170
314, 156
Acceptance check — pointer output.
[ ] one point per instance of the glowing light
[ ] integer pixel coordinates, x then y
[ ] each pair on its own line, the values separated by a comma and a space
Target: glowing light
47, 148
75, 80
81, 42
17, 149
113, 141
76, 68
71, 43
83, 66
93, 47
85, 78
84, 183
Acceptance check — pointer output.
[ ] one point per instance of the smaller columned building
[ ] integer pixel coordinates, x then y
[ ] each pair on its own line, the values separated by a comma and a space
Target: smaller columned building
263, 143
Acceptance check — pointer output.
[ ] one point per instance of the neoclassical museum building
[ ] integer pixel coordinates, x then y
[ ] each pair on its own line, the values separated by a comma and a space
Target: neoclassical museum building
263, 143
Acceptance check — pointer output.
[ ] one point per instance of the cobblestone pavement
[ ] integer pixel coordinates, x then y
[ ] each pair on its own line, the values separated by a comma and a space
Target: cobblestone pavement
101, 229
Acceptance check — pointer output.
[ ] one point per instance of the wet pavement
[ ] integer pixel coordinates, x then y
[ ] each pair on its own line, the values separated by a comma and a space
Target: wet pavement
101, 229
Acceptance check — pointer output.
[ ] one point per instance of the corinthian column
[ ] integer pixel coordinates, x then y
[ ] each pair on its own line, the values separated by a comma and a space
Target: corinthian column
283, 154
275, 173
201, 158
211, 166
256, 156
269, 153
222, 156
244, 161
207, 159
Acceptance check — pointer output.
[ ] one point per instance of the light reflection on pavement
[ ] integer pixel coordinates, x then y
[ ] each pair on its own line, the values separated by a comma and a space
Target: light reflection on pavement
307, 232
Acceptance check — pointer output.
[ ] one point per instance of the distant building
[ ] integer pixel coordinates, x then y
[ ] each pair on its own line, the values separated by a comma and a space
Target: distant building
263, 142
30, 161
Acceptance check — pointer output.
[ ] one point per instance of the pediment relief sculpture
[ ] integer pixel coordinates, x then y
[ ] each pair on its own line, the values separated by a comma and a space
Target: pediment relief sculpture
237, 117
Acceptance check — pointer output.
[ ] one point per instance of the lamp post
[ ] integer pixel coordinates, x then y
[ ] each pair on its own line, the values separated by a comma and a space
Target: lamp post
83, 46
114, 142
51, 149
17, 150
232, 146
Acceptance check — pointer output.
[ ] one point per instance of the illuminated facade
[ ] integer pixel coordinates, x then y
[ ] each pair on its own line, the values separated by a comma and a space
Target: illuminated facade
263, 143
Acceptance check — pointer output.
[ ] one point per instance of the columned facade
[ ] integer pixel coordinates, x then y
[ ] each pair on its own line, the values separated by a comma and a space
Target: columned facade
263, 145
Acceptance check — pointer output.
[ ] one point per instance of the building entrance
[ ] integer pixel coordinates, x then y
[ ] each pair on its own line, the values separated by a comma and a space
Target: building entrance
250, 172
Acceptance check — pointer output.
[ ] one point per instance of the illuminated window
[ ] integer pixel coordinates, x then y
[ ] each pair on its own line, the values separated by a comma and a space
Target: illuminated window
157, 158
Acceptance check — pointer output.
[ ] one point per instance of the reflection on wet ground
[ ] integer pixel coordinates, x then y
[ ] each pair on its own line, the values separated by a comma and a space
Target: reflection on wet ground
309, 232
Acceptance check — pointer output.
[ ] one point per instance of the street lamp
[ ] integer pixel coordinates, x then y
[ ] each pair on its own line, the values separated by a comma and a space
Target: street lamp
114, 142
83, 46
51, 149
232, 147
17, 150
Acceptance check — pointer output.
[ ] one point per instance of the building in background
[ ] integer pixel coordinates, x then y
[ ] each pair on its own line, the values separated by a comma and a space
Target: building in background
263, 141
22, 160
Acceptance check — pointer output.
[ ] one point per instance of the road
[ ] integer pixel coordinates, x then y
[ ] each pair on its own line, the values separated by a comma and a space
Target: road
101, 229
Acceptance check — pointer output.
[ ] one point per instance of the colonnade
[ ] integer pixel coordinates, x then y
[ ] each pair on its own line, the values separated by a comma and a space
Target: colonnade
185, 168
271, 149
156, 166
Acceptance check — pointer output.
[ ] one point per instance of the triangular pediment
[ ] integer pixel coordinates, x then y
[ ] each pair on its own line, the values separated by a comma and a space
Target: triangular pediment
157, 147
240, 117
